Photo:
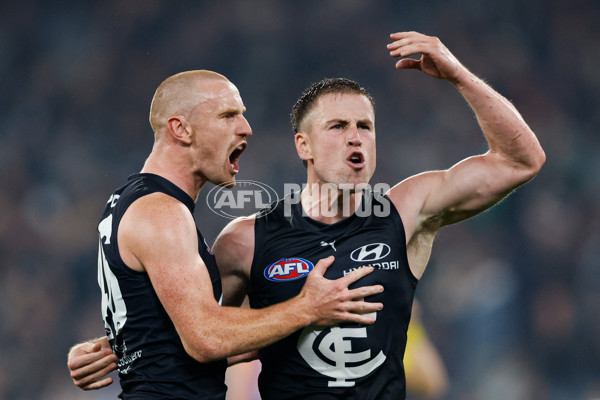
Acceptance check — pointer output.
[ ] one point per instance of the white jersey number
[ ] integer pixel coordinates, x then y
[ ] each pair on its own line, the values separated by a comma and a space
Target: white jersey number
114, 311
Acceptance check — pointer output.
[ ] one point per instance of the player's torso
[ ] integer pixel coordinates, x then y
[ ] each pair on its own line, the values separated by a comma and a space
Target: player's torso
152, 360
346, 360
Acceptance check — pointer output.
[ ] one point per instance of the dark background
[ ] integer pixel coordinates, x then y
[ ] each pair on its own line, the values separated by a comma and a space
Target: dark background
511, 298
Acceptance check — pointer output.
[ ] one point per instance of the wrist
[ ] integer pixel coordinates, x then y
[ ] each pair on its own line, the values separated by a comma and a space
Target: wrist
306, 314
466, 79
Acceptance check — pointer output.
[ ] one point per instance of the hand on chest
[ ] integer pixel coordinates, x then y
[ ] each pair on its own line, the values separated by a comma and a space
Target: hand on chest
295, 262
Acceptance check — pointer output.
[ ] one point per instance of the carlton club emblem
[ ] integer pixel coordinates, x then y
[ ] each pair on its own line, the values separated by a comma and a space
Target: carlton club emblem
329, 352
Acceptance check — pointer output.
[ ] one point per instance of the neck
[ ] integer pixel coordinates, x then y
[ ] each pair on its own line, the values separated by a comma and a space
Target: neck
329, 203
174, 168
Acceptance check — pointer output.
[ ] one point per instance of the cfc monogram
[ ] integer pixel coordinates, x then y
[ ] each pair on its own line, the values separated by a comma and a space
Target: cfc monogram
335, 358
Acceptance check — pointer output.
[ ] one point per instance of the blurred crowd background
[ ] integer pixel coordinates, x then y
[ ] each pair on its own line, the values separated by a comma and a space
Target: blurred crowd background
511, 298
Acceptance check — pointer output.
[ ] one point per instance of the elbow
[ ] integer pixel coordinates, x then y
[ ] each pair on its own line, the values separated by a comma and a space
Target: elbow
529, 165
203, 350
540, 159
535, 163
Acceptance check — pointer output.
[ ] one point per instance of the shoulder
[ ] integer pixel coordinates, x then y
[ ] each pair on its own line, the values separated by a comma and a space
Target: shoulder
155, 224
158, 210
411, 196
239, 228
235, 244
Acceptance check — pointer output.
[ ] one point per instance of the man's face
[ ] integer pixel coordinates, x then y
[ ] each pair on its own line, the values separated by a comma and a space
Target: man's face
338, 139
220, 132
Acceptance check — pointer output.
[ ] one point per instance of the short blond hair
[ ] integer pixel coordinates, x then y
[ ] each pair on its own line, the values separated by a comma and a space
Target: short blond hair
178, 94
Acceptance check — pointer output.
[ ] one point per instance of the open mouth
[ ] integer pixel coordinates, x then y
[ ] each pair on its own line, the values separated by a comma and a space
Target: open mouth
356, 160
234, 157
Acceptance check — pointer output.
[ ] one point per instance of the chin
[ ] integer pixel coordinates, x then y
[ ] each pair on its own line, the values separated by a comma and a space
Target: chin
227, 181
228, 184
359, 180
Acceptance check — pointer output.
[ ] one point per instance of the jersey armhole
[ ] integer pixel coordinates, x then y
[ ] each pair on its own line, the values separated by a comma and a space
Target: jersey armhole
399, 226
120, 264
258, 244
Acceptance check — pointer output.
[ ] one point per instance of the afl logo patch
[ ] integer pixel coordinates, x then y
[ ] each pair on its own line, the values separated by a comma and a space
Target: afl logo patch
371, 252
288, 269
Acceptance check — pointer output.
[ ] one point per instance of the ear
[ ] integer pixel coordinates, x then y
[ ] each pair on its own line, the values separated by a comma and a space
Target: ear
179, 129
303, 146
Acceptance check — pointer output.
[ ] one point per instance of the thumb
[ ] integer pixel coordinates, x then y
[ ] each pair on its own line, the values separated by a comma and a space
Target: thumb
322, 265
408, 63
92, 347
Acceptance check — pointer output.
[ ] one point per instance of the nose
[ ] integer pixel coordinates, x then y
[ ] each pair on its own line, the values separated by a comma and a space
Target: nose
353, 137
244, 128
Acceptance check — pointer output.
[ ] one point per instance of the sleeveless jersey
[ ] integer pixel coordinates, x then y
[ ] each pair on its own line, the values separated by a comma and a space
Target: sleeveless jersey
152, 361
346, 361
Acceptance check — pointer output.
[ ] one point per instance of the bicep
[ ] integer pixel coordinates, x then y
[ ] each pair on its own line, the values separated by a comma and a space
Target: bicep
472, 186
234, 251
438, 198
182, 283
166, 244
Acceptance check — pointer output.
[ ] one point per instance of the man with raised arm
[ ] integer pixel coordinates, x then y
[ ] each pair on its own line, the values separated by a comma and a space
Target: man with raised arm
334, 121
160, 284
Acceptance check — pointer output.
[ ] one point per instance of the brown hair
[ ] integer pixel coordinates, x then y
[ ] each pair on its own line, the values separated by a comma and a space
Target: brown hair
309, 97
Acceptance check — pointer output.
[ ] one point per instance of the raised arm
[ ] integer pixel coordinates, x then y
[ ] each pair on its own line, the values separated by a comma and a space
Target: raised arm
433, 199
158, 234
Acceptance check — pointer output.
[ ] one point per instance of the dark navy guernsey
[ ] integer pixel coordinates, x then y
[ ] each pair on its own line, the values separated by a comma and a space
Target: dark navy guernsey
152, 361
349, 361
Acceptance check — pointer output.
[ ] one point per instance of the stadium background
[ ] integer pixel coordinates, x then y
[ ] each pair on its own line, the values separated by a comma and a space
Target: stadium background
511, 298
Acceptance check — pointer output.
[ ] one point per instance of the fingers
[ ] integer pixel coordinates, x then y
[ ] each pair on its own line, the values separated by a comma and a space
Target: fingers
102, 341
85, 348
98, 385
364, 291
358, 318
89, 373
322, 265
410, 43
405, 50
357, 274
402, 35
364, 307
88, 354
409, 37
398, 48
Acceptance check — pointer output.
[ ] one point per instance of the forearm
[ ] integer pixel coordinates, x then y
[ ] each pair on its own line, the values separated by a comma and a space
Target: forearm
225, 331
229, 331
507, 134
242, 358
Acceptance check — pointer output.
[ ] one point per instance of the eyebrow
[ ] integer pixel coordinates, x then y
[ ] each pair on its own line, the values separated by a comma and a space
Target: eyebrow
346, 122
232, 111
365, 122
336, 121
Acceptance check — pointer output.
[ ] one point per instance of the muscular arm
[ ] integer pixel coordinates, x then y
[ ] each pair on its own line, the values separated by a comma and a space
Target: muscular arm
158, 234
433, 199
234, 252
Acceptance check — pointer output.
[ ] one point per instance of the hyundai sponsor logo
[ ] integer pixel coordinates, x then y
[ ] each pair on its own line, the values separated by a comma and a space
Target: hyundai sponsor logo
371, 252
